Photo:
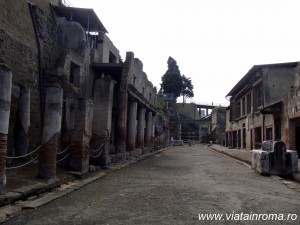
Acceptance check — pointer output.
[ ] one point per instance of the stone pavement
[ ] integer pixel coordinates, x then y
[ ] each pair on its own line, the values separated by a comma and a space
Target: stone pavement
244, 156
23, 183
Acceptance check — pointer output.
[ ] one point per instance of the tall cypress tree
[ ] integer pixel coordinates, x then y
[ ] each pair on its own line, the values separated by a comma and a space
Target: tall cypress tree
171, 80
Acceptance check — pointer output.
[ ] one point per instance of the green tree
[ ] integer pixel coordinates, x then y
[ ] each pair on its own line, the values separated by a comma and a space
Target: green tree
187, 88
160, 104
171, 80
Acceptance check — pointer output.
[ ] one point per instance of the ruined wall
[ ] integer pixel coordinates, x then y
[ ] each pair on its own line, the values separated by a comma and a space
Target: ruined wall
105, 52
44, 5
277, 81
141, 83
218, 121
189, 110
18, 47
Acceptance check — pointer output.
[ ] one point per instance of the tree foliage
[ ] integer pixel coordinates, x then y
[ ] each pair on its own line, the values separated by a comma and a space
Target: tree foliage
160, 104
174, 83
187, 88
171, 80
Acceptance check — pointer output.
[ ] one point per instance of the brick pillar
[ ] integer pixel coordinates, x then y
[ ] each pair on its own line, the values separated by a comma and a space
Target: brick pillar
131, 127
141, 127
80, 141
23, 122
121, 123
149, 129
51, 132
105, 157
102, 116
5, 101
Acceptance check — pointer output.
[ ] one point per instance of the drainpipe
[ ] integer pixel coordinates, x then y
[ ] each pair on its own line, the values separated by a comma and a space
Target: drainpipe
39, 47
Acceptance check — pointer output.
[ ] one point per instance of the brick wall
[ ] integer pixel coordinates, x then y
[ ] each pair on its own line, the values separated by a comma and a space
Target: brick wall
18, 46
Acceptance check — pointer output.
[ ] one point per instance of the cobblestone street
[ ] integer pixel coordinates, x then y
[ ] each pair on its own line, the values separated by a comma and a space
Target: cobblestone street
172, 187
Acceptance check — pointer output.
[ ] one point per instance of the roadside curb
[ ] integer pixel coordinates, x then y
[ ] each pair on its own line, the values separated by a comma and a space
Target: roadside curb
232, 156
27, 192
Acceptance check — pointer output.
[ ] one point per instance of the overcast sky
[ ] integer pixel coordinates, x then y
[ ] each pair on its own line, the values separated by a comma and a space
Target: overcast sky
215, 42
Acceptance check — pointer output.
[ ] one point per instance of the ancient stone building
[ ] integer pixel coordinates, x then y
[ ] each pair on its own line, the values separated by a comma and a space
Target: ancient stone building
218, 125
260, 104
67, 95
293, 109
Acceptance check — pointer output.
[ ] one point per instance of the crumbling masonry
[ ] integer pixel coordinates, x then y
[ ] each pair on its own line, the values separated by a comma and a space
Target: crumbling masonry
65, 93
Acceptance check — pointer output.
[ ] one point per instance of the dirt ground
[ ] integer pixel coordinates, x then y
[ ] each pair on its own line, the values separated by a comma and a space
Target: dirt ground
176, 186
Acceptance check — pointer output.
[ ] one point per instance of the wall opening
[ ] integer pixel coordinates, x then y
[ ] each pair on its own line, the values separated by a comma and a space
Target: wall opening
239, 139
257, 97
248, 110
258, 138
297, 138
269, 133
277, 123
244, 135
234, 138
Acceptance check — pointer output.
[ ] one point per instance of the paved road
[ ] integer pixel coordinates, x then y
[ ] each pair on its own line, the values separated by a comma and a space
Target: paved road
174, 187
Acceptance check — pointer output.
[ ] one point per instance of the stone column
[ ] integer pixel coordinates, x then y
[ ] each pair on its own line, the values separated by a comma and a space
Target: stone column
102, 117
80, 141
149, 128
14, 105
5, 101
179, 131
105, 158
121, 123
141, 127
131, 127
23, 122
51, 133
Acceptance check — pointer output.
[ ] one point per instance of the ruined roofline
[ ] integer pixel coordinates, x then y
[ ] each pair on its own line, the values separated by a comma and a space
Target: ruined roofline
86, 17
254, 69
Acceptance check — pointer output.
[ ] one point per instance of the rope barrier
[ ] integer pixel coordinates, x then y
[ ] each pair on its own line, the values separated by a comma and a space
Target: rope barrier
16, 167
96, 155
97, 149
66, 149
22, 156
63, 158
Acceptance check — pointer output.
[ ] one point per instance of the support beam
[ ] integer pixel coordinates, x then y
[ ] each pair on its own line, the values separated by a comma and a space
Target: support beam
102, 118
149, 129
51, 133
141, 127
121, 122
131, 128
79, 148
5, 101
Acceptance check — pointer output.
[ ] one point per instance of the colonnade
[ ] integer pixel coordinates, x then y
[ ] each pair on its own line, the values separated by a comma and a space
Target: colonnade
140, 126
86, 125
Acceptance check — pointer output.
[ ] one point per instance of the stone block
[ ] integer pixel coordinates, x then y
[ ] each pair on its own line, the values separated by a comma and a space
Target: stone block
294, 160
279, 160
176, 142
9, 198
267, 146
260, 162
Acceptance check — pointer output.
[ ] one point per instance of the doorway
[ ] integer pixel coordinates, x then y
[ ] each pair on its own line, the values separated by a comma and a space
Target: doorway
297, 138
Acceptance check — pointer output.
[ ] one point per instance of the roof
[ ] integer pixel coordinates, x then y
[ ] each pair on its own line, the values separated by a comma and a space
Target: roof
244, 81
86, 17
